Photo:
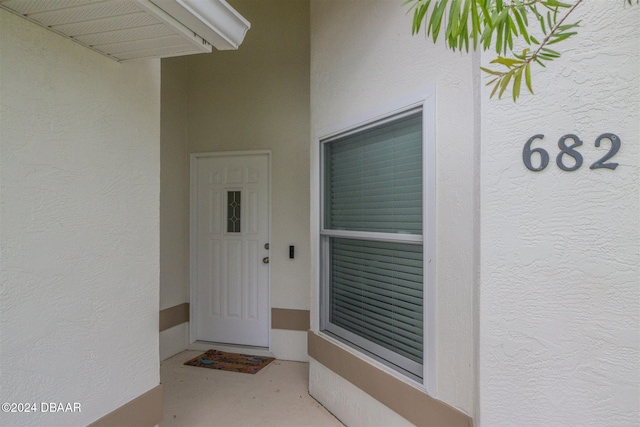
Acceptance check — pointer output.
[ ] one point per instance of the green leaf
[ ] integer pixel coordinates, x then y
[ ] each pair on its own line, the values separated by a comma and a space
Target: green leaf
516, 85
556, 3
522, 26
568, 26
504, 83
493, 92
540, 19
452, 21
550, 52
513, 28
523, 56
509, 27
508, 62
463, 37
486, 37
523, 14
527, 77
492, 72
559, 37
421, 8
485, 13
454, 15
436, 19
464, 15
539, 62
475, 24
501, 17
499, 40
463, 33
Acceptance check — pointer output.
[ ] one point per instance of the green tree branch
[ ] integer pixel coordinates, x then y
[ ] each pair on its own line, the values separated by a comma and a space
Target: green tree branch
495, 24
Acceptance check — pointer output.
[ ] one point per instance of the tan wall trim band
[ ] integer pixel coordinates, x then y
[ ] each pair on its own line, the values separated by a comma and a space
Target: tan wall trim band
410, 403
143, 411
173, 316
281, 318
293, 320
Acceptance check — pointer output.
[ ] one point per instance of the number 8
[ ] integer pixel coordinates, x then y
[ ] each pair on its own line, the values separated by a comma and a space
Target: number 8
570, 152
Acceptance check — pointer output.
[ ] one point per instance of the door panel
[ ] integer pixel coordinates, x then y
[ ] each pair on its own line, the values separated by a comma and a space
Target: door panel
231, 297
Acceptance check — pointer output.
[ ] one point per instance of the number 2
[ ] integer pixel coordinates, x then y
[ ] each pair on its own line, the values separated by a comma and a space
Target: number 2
615, 146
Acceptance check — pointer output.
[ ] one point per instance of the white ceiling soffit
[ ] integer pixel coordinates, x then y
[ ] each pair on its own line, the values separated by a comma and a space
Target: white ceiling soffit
135, 29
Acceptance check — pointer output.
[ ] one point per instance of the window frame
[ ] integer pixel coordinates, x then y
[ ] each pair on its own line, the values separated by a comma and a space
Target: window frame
424, 101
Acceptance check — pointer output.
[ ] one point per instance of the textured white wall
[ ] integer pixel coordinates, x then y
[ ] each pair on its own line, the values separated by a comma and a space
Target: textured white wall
174, 185
254, 98
347, 402
559, 316
174, 201
79, 153
363, 56
258, 98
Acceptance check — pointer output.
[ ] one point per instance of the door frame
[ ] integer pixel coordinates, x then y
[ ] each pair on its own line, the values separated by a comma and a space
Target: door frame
193, 289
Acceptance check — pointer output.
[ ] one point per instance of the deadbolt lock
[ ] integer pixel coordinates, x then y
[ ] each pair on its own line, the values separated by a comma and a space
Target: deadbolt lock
266, 246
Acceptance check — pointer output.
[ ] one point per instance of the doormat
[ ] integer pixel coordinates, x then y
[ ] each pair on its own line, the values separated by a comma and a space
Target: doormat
214, 359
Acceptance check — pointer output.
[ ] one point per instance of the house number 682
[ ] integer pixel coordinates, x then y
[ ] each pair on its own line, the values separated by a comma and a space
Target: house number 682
567, 145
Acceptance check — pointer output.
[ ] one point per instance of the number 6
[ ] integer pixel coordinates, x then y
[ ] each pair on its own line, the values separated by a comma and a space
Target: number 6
527, 152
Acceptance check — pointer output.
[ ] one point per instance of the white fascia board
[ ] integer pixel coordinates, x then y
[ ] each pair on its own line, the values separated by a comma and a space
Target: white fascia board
199, 43
213, 20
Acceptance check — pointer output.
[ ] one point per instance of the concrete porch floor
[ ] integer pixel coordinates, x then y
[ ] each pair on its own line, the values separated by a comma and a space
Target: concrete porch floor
275, 396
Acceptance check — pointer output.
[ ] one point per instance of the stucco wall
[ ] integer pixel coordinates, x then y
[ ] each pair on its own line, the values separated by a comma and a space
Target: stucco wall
79, 187
174, 186
560, 289
174, 201
363, 56
252, 99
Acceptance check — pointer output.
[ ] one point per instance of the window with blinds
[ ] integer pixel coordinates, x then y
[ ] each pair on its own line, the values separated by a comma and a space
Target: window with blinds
372, 240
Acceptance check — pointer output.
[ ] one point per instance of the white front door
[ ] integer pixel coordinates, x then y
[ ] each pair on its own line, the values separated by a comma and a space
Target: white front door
230, 237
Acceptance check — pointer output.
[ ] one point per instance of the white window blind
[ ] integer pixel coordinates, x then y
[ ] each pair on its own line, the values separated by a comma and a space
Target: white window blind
376, 293
373, 186
374, 179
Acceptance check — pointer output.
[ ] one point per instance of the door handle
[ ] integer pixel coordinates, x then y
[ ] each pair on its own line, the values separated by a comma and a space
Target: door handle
265, 260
